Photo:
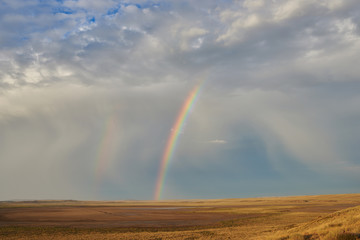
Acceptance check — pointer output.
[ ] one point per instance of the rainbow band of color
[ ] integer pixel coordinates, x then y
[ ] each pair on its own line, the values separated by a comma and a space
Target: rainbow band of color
104, 150
173, 138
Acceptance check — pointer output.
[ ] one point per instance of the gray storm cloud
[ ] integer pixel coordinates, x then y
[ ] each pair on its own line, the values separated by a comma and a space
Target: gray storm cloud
281, 97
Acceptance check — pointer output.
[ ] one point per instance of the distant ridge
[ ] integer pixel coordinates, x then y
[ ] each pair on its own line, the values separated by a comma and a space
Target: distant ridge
38, 201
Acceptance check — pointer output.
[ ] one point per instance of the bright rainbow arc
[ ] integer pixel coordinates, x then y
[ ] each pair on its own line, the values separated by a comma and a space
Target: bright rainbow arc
173, 138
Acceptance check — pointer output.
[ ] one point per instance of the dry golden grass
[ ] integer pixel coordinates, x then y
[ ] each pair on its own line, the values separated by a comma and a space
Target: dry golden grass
325, 217
344, 224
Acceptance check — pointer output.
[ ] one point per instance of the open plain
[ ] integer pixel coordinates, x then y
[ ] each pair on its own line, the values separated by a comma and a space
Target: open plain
298, 217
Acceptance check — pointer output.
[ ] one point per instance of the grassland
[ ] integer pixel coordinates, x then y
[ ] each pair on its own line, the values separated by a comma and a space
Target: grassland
302, 217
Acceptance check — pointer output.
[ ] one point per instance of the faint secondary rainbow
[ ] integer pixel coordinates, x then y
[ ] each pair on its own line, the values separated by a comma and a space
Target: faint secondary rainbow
105, 149
173, 138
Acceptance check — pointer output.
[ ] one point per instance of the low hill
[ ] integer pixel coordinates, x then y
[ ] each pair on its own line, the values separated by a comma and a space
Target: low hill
340, 225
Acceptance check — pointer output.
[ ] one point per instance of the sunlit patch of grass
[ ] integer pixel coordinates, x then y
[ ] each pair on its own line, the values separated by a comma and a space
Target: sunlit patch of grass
341, 225
297, 237
250, 210
191, 238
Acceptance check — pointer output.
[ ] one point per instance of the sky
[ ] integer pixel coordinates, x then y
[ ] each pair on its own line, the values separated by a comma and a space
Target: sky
90, 91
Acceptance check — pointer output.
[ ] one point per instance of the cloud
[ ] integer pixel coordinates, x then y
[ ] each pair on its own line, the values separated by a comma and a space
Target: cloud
218, 141
282, 89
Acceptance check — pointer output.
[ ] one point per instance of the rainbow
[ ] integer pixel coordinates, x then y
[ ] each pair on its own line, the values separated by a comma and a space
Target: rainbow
173, 138
105, 150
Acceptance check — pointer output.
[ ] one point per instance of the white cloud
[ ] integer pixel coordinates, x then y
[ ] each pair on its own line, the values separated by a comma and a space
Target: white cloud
218, 141
192, 38
253, 4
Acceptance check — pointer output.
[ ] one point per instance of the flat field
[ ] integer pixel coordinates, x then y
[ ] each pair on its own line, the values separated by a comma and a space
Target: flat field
298, 217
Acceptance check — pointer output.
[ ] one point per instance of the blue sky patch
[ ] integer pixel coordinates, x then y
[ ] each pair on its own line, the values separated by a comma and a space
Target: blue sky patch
64, 10
91, 20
